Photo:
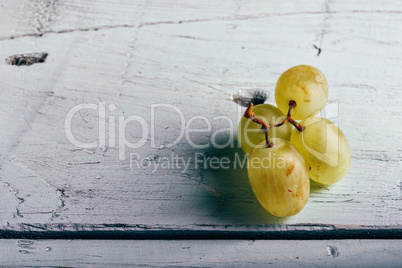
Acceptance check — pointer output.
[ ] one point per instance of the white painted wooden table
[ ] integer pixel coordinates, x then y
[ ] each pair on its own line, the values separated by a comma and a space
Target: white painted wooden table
186, 59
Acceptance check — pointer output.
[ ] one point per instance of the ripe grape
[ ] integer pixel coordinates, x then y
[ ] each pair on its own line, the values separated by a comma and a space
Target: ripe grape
250, 134
279, 178
325, 149
304, 84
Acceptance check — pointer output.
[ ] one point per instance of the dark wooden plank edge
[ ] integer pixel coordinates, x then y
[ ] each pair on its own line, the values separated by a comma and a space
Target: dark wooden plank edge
128, 231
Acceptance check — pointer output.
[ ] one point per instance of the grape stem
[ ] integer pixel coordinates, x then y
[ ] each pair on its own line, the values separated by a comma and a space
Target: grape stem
268, 143
265, 127
292, 105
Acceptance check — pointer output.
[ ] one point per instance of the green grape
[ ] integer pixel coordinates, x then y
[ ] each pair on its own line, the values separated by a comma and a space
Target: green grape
279, 177
325, 149
250, 134
304, 84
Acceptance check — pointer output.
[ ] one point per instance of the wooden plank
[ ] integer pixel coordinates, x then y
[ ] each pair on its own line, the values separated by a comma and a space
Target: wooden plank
197, 231
194, 57
201, 253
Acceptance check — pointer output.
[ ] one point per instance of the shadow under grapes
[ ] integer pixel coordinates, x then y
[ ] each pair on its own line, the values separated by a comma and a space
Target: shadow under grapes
232, 197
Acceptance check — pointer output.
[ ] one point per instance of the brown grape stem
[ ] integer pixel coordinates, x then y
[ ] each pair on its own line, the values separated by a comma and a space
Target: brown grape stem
265, 127
292, 105
268, 143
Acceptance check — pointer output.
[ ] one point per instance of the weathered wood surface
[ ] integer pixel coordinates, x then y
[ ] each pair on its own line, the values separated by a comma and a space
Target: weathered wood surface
192, 55
201, 253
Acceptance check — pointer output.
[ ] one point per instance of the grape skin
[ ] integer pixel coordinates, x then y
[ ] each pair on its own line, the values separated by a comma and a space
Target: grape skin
249, 133
281, 184
304, 84
325, 149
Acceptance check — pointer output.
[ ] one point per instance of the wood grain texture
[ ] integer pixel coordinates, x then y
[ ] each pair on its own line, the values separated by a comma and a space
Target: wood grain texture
201, 253
193, 56
199, 231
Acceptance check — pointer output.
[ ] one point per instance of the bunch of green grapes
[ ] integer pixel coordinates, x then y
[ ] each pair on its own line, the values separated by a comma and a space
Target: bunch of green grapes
279, 170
